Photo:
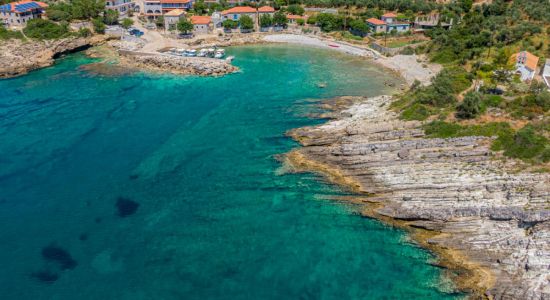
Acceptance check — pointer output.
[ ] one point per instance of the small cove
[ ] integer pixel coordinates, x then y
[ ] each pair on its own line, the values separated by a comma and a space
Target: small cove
206, 214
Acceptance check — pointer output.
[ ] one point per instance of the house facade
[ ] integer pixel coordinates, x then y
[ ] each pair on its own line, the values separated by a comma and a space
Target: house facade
376, 25
201, 24
388, 23
546, 73
237, 12
526, 65
172, 18
168, 5
17, 14
152, 9
122, 6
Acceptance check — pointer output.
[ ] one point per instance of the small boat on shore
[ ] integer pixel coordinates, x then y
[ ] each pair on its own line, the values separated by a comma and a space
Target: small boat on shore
334, 45
220, 53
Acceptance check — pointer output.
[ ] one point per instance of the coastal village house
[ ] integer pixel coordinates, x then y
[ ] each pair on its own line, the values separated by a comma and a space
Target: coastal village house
388, 23
152, 9
122, 6
168, 5
201, 24
293, 19
526, 64
237, 12
172, 18
17, 14
266, 10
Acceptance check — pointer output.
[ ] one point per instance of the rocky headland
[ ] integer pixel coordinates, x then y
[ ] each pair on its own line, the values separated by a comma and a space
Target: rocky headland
20, 57
488, 221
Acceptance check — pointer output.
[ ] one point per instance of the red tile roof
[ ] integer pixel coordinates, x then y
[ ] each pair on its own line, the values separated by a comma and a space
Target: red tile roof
266, 9
295, 17
376, 21
201, 20
389, 15
239, 10
529, 60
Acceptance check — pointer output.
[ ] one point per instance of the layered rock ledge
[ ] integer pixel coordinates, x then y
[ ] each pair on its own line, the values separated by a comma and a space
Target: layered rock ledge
20, 57
482, 214
176, 64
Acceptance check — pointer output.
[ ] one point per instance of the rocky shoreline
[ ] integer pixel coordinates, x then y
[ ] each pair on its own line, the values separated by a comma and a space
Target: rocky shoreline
177, 65
20, 57
489, 222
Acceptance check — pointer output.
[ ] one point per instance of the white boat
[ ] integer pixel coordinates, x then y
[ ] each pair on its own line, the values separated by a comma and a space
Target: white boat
219, 53
211, 52
191, 52
202, 53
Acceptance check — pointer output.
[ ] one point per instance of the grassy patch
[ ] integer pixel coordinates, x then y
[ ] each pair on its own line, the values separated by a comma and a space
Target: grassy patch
421, 102
524, 144
6, 34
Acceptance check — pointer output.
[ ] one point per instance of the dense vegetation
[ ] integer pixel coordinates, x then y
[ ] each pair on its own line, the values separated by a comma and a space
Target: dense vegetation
496, 25
45, 29
478, 78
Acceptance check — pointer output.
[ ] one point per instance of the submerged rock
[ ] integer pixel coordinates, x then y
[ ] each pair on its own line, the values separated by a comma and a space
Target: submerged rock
60, 256
45, 276
126, 207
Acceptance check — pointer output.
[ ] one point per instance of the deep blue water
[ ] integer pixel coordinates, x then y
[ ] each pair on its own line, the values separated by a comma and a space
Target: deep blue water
216, 216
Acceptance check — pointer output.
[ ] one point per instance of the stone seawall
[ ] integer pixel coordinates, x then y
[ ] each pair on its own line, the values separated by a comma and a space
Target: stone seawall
484, 215
176, 64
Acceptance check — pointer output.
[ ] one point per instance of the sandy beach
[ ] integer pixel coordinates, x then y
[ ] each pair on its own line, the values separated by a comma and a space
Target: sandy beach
410, 67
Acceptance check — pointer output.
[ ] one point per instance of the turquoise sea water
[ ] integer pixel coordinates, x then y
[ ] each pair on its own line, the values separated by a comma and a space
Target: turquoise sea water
215, 215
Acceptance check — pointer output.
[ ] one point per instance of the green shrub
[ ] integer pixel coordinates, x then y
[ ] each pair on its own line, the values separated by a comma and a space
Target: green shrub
491, 101
45, 29
470, 106
417, 112
99, 26
527, 145
84, 32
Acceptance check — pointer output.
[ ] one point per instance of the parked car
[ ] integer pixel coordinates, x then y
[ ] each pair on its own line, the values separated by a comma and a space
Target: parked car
185, 35
135, 31
150, 26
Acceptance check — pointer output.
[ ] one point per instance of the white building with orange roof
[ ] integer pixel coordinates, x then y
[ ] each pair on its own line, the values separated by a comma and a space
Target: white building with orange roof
266, 10
292, 19
389, 17
376, 25
17, 14
546, 73
172, 18
237, 12
388, 23
526, 64
201, 24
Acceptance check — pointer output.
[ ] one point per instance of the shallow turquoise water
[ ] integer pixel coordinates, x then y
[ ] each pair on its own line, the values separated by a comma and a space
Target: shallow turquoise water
217, 217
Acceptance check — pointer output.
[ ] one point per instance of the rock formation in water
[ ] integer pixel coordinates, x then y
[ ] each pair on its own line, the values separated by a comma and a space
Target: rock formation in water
487, 216
20, 57
178, 64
